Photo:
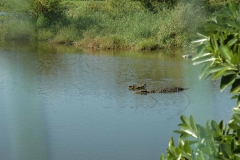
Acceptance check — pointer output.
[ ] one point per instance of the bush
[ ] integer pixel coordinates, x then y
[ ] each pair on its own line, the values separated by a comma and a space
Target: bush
157, 5
219, 50
66, 35
44, 35
147, 44
212, 6
46, 12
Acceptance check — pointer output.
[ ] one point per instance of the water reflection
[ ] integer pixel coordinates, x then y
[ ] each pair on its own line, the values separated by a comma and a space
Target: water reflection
62, 103
23, 122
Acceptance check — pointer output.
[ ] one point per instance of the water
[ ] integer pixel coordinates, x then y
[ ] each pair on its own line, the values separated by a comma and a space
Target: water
60, 103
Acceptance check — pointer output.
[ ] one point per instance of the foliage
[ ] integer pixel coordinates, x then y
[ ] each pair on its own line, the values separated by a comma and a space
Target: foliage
13, 6
66, 35
214, 141
212, 6
16, 29
46, 12
219, 50
159, 30
156, 5
106, 24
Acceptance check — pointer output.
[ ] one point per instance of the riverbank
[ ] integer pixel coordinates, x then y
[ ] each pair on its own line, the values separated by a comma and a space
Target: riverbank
107, 25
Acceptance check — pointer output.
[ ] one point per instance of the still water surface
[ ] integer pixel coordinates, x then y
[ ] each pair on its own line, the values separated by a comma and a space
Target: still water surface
59, 103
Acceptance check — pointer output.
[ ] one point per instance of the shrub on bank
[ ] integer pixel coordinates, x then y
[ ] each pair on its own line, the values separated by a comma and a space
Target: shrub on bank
66, 35
112, 25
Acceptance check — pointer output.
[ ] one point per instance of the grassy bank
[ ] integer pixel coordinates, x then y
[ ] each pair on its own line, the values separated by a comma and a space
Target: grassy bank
108, 25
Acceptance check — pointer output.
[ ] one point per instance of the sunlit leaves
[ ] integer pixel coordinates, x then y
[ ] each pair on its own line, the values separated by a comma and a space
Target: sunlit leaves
226, 151
204, 69
204, 59
219, 52
219, 47
227, 81
220, 72
211, 141
200, 40
162, 157
188, 127
236, 87
225, 52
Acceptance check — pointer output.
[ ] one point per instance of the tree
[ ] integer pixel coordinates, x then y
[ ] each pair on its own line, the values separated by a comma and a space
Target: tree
45, 12
219, 51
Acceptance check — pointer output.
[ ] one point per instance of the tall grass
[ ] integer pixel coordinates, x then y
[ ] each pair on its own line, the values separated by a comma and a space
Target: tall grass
15, 29
113, 25
138, 29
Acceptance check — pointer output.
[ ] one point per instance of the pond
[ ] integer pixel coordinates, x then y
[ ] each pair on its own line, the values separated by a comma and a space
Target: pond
60, 102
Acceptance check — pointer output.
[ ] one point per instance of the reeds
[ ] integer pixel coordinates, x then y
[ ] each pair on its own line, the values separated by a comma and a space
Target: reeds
104, 25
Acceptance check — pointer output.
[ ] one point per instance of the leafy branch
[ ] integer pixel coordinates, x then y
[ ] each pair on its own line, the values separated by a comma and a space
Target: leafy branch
219, 51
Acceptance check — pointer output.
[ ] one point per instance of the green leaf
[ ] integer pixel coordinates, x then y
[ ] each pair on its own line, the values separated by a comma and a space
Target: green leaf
232, 6
162, 157
178, 131
204, 69
222, 126
185, 120
235, 59
233, 144
193, 125
236, 157
236, 110
213, 42
178, 151
231, 42
234, 126
226, 150
227, 81
201, 54
208, 48
215, 127
200, 48
199, 40
220, 73
236, 150
179, 157
229, 72
200, 156
238, 20
202, 34
204, 59
171, 142
184, 126
238, 132
190, 132
236, 86
225, 52
238, 101
211, 27
215, 68
187, 148
236, 117
206, 150
232, 23
234, 97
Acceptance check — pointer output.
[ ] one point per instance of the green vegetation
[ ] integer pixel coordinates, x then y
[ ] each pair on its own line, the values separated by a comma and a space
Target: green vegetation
157, 5
113, 24
219, 51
